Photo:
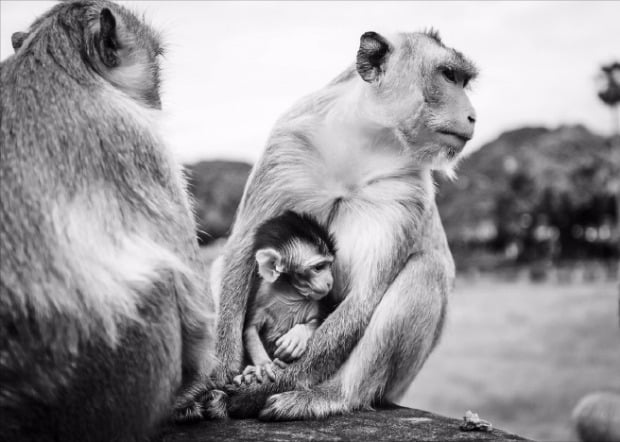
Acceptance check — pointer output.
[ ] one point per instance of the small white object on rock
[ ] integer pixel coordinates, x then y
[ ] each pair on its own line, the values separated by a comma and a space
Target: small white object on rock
472, 422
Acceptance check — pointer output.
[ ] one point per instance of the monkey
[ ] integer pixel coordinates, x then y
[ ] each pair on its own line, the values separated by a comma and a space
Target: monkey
597, 417
358, 155
294, 254
105, 311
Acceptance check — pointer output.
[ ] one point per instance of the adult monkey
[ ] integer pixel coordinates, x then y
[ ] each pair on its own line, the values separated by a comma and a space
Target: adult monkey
358, 155
104, 316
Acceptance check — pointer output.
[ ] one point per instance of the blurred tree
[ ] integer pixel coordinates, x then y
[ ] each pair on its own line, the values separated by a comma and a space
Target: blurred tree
534, 195
216, 187
609, 91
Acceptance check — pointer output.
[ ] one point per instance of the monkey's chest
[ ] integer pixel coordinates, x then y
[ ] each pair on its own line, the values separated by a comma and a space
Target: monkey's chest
370, 225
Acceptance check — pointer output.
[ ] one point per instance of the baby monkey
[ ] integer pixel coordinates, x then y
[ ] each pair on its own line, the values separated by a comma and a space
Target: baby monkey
294, 255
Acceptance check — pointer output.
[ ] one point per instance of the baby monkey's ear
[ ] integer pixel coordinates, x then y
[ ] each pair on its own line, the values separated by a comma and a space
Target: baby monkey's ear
269, 262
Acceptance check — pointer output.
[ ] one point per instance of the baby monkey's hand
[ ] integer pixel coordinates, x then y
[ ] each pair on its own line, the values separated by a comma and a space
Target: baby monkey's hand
294, 342
259, 372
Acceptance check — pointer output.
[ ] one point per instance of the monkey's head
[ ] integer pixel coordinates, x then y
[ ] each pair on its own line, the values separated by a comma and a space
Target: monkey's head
296, 249
417, 86
108, 41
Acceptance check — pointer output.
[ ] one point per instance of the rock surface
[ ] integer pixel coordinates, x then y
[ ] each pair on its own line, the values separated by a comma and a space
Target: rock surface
393, 424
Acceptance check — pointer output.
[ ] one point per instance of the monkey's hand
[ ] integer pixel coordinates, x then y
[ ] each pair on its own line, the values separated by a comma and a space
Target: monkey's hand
259, 372
294, 342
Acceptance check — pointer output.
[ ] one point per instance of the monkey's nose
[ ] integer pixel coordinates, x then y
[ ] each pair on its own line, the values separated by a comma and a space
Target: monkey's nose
471, 118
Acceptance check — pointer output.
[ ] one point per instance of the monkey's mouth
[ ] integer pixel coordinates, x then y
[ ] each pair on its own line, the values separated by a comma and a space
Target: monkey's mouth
454, 141
316, 295
458, 136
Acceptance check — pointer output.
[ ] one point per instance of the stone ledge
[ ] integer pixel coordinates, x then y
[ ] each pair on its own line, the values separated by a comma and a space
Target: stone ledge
387, 424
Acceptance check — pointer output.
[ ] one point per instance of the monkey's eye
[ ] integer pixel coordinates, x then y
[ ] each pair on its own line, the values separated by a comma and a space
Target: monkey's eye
449, 75
320, 267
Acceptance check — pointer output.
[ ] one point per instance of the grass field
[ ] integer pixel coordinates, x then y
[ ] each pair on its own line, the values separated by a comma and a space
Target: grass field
522, 354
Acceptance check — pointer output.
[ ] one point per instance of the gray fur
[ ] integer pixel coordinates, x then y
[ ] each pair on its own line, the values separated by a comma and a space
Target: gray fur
358, 155
103, 309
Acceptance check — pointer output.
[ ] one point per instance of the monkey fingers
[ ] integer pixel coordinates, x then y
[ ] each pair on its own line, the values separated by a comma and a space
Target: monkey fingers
238, 380
246, 376
280, 363
293, 343
250, 369
265, 369
286, 347
269, 371
258, 374
299, 350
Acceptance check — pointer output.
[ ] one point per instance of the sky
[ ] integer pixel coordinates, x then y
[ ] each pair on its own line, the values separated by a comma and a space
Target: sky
232, 68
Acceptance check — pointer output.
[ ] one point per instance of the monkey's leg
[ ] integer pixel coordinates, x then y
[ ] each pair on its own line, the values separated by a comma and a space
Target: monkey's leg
402, 332
236, 282
198, 321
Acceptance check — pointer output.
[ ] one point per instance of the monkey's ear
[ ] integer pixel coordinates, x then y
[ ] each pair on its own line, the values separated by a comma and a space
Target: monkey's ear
17, 40
107, 40
371, 56
268, 261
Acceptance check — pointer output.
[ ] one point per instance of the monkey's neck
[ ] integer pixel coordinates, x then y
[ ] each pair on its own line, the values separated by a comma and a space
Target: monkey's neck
359, 154
351, 125
280, 292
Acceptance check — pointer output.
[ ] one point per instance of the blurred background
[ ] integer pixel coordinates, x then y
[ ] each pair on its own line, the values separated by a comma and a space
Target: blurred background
532, 219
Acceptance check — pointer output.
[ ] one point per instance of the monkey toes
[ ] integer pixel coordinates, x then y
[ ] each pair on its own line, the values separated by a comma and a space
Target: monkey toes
299, 405
203, 404
188, 407
216, 405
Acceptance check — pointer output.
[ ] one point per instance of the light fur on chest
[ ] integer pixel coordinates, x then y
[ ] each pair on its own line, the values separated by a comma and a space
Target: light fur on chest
371, 203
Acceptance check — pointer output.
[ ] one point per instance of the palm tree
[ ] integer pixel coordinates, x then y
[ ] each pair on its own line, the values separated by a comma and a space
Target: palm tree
609, 92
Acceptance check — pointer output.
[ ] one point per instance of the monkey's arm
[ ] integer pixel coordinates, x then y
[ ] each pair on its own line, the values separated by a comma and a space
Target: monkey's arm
337, 336
421, 244
334, 340
259, 356
255, 347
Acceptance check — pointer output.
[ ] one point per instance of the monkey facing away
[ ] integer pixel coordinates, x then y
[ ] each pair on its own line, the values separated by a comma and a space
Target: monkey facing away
294, 255
358, 156
104, 311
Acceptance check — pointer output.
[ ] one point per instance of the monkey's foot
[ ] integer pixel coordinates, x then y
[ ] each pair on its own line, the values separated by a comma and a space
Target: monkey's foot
200, 403
189, 406
216, 405
301, 405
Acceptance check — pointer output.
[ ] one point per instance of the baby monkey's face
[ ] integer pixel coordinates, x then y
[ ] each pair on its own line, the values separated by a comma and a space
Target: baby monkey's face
314, 278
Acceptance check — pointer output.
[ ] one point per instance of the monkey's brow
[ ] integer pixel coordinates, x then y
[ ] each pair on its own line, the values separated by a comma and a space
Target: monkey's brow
461, 66
318, 260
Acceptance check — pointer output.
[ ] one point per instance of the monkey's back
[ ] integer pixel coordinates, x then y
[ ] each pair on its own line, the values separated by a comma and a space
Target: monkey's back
89, 227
